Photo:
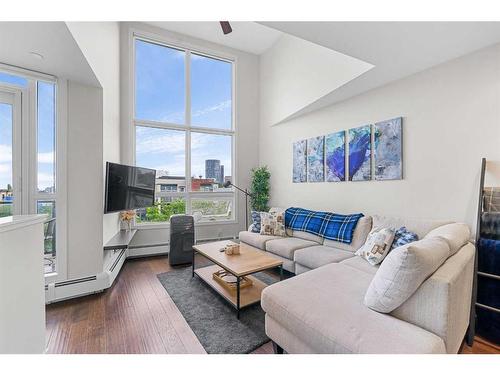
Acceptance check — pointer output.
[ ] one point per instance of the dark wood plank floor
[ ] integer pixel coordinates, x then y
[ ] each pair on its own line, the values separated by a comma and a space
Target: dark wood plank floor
137, 315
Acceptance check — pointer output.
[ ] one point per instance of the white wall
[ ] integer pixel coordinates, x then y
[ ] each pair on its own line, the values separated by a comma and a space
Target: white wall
84, 180
451, 119
247, 123
100, 44
295, 73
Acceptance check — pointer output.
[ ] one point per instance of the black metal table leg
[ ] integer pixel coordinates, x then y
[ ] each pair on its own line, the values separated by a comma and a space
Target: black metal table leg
281, 272
238, 297
192, 274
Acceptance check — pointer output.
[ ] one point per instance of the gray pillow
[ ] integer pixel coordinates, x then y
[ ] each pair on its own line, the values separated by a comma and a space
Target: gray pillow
403, 271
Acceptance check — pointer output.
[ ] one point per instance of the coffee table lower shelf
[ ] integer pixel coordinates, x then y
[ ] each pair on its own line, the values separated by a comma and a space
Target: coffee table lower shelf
248, 296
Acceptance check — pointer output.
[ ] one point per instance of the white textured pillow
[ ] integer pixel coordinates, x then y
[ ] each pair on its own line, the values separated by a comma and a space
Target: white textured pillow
457, 235
377, 245
272, 223
403, 271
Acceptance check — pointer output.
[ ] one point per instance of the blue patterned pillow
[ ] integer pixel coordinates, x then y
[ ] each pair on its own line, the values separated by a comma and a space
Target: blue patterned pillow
402, 236
255, 227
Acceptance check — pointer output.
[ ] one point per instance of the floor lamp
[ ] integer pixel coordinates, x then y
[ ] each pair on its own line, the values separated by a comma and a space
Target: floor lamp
247, 194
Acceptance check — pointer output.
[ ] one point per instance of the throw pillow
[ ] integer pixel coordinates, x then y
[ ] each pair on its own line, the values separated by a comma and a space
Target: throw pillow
272, 224
456, 234
403, 236
377, 245
403, 271
255, 227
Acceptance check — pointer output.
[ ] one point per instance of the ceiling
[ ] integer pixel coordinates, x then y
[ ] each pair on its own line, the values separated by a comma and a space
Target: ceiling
397, 49
61, 55
246, 36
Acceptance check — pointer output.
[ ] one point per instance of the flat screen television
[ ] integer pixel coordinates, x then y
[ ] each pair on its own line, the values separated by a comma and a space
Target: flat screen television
128, 187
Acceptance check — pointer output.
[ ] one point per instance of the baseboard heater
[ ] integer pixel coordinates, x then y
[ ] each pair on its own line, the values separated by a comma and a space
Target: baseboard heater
117, 260
75, 281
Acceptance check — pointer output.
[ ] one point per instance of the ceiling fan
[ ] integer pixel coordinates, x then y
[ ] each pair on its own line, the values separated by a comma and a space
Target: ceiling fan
226, 27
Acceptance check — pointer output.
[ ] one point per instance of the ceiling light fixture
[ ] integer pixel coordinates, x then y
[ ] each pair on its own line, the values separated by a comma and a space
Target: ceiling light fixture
36, 55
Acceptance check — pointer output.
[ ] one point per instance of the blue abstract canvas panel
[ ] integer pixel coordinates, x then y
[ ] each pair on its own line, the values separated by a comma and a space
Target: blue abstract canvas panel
335, 157
388, 148
316, 159
360, 168
299, 161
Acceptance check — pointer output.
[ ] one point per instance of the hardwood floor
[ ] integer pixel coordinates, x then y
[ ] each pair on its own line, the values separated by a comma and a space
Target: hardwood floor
137, 315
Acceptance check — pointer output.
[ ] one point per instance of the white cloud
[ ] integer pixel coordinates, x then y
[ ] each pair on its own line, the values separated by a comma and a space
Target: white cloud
5, 175
5, 169
45, 180
46, 157
214, 108
168, 142
5, 153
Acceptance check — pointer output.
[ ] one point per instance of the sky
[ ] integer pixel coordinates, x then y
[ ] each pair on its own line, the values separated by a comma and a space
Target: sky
160, 96
46, 133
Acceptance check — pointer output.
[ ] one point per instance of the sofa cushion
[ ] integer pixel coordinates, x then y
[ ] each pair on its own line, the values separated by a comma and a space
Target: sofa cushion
317, 256
255, 239
324, 308
403, 271
299, 268
418, 226
306, 236
456, 234
360, 264
285, 247
361, 231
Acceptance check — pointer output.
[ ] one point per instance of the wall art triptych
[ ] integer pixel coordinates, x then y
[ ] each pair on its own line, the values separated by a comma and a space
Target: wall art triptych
370, 152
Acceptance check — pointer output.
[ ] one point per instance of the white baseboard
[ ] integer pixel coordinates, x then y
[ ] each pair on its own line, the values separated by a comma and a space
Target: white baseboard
113, 263
147, 251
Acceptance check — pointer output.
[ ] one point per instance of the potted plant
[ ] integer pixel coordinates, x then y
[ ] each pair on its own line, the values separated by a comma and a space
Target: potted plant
260, 187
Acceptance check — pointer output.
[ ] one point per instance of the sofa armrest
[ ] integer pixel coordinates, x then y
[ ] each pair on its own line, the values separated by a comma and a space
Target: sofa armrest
441, 304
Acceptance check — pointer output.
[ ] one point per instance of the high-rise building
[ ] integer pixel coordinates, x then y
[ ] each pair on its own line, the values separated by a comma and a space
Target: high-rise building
221, 175
212, 169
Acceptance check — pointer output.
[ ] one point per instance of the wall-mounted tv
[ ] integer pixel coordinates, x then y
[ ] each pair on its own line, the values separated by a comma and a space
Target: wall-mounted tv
128, 187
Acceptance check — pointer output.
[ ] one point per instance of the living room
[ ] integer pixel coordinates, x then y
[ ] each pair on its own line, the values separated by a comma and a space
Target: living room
257, 187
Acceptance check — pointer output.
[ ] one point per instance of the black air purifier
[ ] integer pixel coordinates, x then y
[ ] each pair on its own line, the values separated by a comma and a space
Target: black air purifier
181, 240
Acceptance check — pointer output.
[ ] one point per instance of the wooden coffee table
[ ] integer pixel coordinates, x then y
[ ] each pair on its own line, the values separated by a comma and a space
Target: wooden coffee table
249, 261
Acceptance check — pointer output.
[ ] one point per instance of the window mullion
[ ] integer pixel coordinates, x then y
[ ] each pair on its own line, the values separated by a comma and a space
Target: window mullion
188, 131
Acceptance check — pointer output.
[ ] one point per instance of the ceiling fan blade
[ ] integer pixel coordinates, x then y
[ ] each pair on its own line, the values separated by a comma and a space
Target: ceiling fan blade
226, 27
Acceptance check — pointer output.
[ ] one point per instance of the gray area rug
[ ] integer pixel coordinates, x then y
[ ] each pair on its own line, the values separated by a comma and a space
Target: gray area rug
211, 317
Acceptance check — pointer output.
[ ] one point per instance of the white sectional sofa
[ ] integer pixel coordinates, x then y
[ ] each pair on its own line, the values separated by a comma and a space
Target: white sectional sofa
322, 309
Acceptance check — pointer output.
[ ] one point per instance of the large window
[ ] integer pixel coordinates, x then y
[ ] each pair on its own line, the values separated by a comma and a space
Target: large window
184, 128
27, 174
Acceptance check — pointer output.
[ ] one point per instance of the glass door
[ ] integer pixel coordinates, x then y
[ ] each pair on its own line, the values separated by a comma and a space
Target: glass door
10, 152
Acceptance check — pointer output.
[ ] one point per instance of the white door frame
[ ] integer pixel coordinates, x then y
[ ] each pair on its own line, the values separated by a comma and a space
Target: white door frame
14, 95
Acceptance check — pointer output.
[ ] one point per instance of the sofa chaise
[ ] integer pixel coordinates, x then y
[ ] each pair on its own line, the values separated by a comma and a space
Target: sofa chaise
322, 309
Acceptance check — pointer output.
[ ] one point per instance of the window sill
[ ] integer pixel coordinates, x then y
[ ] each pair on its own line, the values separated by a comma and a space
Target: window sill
146, 226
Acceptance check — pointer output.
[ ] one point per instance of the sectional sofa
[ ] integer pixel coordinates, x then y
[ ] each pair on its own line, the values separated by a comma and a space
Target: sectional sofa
322, 309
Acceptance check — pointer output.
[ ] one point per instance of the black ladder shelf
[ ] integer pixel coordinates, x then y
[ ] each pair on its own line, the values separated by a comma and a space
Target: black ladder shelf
486, 295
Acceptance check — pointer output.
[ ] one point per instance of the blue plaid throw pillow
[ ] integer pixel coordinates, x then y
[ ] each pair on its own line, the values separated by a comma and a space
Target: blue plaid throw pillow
256, 222
402, 236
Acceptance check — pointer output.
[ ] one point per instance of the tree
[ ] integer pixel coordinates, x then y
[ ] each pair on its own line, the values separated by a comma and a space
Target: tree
9, 187
161, 211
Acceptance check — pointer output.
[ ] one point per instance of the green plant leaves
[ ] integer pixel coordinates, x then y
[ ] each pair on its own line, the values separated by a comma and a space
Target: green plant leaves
260, 188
